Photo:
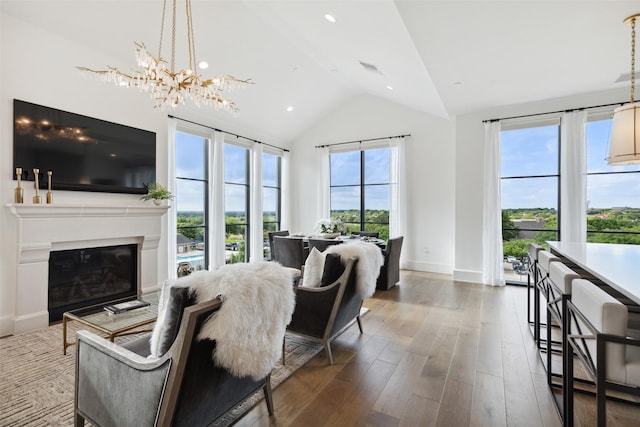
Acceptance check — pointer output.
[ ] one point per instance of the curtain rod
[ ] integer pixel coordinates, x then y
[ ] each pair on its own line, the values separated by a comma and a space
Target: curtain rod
362, 140
552, 112
229, 133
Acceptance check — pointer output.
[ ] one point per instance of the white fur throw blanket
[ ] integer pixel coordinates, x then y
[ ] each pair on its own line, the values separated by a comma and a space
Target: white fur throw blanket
370, 260
258, 301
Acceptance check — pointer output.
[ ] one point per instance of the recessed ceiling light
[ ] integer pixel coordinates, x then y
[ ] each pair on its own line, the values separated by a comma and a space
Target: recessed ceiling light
203, 65
289, 108
329, 17
389, 87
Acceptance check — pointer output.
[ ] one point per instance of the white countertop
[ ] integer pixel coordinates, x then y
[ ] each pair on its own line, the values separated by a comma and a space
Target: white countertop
615, 264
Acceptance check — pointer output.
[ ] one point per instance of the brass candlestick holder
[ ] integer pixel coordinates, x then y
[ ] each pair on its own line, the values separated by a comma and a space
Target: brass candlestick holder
49, 194
36, 199
18, 193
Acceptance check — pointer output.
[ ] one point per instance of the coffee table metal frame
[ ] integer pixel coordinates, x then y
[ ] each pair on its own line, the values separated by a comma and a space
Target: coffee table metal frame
112, 325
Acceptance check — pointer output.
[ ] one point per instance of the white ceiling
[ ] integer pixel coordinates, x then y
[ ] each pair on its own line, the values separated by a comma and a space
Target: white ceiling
443, 58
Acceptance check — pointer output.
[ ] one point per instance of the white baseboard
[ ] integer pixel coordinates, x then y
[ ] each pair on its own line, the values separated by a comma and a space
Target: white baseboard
6, 326
428, 267
467, 276
30, 322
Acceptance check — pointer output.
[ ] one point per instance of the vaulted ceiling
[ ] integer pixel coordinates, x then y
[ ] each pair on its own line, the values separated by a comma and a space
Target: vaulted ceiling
443, 58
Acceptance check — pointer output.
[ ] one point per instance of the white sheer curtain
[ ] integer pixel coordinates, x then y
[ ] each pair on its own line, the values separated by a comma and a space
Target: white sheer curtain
573, 177
216, 203
324, 190
492, 263
398, 187
285, 199
256, 233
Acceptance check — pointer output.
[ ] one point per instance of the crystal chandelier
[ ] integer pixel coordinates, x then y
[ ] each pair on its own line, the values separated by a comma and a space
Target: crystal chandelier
167, 87
624, 148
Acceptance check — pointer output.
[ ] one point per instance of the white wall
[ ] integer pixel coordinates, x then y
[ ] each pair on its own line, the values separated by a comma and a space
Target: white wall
469, 171
430, 173
38, 66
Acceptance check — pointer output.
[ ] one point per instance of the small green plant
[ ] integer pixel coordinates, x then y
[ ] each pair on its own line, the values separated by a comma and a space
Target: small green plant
156, 191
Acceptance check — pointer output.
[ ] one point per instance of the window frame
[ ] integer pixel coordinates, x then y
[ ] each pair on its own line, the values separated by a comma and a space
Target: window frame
362, 186
520, 125
247, 195
207, 183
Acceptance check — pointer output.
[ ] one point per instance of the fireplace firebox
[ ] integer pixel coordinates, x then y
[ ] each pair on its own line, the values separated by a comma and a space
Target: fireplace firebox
83, 277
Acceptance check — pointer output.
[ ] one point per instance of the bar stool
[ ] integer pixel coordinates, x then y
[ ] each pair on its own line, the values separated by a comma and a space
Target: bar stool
559, 287
532, 279
545, 258
597, 335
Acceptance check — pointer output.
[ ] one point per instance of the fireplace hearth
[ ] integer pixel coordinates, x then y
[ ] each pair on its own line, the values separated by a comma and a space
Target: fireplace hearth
87, 276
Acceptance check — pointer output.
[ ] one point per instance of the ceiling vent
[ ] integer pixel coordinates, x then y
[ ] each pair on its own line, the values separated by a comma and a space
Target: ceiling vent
371, 68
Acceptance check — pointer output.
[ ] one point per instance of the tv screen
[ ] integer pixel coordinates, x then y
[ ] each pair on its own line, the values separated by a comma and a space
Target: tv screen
83, 153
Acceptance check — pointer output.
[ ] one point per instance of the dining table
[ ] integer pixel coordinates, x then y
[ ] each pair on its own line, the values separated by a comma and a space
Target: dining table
614, 265
345, 239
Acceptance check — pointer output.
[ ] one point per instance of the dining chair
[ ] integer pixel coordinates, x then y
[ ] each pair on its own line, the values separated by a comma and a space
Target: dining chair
271, 235
289, 251
532, 279
598, 336
545, 258
390, 271
561, 278
322, 244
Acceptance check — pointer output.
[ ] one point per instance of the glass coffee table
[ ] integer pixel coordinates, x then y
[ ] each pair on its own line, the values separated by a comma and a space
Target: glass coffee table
113, 325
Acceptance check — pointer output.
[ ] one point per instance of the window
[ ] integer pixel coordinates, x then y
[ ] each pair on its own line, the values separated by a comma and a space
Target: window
236, 203
613, 192
213, 205
360, 186
529, 193
190, 202
271, 197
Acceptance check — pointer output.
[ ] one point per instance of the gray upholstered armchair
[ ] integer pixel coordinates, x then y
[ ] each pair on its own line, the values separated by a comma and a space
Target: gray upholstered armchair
323, 313
120, 386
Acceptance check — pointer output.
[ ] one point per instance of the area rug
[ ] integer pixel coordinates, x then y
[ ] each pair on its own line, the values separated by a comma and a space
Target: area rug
37, 380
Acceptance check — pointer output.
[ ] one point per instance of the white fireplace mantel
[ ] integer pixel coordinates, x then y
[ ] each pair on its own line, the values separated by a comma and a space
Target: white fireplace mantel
80, 210
45, 228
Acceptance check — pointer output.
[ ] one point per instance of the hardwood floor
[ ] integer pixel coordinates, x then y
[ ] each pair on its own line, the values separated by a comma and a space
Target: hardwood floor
434, 353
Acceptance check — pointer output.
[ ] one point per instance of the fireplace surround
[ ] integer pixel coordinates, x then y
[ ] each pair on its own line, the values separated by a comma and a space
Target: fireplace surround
42, 229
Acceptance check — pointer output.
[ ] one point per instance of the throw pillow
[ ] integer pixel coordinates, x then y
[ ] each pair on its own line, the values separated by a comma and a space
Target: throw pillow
313, 268
333, 269
166, 329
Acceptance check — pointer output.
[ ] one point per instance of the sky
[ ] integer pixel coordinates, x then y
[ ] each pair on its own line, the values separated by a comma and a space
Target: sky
534, 151
345, 171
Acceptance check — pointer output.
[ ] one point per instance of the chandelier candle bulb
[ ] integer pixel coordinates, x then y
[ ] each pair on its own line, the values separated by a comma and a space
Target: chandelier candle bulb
49, 194
36, 199
18, 195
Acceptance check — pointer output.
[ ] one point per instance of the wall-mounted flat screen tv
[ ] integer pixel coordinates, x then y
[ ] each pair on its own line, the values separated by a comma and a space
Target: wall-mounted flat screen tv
82, 153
